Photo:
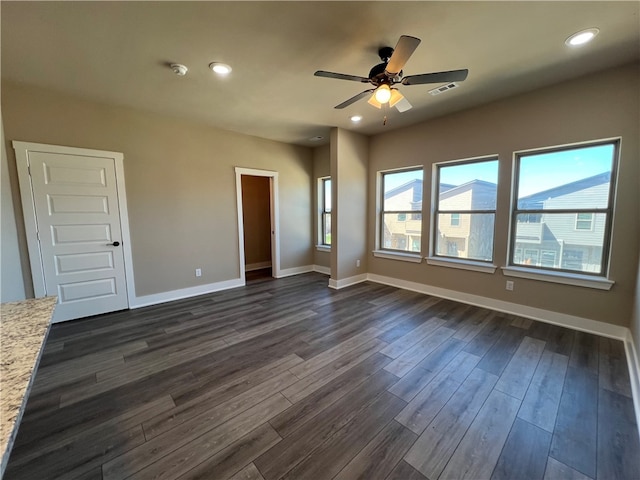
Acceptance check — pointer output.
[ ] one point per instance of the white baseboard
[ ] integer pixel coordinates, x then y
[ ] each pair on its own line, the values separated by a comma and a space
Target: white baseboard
164, 297
287, 272
633, 362
346, 282
250, 267
547, 316
322, 269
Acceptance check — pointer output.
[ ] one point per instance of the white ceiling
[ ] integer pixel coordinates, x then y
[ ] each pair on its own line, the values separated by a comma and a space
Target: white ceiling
118, 52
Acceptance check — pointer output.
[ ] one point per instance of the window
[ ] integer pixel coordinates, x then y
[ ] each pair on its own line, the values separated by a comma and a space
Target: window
401, 212
325, 214
465, 209
584, 221
569, 190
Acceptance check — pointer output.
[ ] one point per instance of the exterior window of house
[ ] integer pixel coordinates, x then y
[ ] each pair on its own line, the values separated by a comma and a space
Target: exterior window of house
570, 191
325, 203
584, 221
465, 209
401, 212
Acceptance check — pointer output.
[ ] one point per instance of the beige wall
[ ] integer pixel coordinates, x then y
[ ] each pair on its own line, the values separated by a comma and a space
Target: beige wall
349, 160
180, 183
594, 107
256, 213
12, 286
321, 168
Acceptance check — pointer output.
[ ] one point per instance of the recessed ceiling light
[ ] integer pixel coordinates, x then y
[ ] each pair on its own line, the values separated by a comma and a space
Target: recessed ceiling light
220, 68
355, 118
581, 37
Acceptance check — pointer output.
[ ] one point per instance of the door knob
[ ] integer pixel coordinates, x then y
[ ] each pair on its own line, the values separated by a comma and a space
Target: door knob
115, 244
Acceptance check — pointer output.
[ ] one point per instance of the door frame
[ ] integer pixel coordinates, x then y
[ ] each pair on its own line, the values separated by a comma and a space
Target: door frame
275, 225
22, 150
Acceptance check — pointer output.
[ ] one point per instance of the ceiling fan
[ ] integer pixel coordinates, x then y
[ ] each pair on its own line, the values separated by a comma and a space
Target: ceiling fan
388, 73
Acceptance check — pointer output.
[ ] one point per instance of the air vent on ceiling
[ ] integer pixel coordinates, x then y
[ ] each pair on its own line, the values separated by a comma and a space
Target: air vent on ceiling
444, 88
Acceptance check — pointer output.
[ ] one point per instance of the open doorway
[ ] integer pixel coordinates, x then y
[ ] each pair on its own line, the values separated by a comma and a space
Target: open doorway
257, 224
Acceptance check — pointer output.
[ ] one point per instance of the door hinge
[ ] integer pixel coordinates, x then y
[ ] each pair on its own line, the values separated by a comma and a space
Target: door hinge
29, 169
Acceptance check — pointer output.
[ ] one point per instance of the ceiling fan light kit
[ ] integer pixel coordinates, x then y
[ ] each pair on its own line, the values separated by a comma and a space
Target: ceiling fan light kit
385, 75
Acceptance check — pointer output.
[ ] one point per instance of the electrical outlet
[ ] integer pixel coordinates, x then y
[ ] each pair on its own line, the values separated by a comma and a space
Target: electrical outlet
357, 263
198, 272
509, 285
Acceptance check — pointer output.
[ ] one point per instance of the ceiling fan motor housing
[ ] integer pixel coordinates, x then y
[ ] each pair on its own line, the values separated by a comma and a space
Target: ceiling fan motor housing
377, 75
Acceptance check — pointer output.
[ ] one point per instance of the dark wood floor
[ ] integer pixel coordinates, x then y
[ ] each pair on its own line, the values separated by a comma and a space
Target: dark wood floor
290, 379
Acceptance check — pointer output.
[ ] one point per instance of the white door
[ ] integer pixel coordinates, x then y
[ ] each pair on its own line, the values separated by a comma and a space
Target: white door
77, 217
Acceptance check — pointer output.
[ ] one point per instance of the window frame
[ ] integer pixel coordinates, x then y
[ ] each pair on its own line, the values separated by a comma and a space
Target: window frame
322, 211
409, 214
608, 211
434, 255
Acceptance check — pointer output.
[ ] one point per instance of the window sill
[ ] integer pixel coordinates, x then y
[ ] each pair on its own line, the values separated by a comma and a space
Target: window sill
323, 248
462, 264
560, 277
404, 257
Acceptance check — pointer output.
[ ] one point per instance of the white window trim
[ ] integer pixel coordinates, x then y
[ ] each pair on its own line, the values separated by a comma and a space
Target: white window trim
321, 247
462, 264
563, 278
398, 255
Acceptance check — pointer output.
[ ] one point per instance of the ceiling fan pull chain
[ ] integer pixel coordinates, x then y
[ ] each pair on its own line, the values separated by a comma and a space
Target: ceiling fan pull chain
384, 122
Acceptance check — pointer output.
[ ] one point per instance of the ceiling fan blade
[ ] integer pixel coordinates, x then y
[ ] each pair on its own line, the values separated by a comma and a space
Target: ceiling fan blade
404, 49
354, 99
437, 77
341, 76
403, 105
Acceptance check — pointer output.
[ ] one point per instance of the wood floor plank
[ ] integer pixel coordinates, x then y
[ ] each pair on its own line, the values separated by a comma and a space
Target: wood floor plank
312, 382
395, 349
515, 379
314, 404
336, 452
433, 449
423, 373
557, 470
574, 437
302, 442
618, 442
423, 408
584, 353
170, 456
404, 471
541, 402
230, 460
414, 355
250, 472
378, 458
613, 372
334, 353
487, 336
499, 355
480, 448
524, 454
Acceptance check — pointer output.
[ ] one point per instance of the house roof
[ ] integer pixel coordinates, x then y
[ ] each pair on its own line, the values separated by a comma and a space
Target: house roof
119, 53
560, 190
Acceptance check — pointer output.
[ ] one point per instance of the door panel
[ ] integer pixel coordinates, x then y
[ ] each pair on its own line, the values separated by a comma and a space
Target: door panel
78, 219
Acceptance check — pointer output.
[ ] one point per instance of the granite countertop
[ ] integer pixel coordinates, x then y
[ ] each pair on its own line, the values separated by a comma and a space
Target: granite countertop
23, 330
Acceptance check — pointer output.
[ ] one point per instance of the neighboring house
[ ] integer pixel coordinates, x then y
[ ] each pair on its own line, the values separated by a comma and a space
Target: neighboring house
571, 241
403, 231
465, 235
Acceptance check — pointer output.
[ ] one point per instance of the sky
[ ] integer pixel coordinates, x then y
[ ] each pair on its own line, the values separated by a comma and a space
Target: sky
538, 172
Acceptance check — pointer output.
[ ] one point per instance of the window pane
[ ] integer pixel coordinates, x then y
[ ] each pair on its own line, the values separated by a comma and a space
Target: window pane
402, 191
470, 186
555, 243
327, 195
401, 234
568, 179
472, 238
326, 228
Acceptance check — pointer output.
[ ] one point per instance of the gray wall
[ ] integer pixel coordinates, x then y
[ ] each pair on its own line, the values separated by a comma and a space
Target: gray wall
349, 160
12, 278
180, 182
574, 111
